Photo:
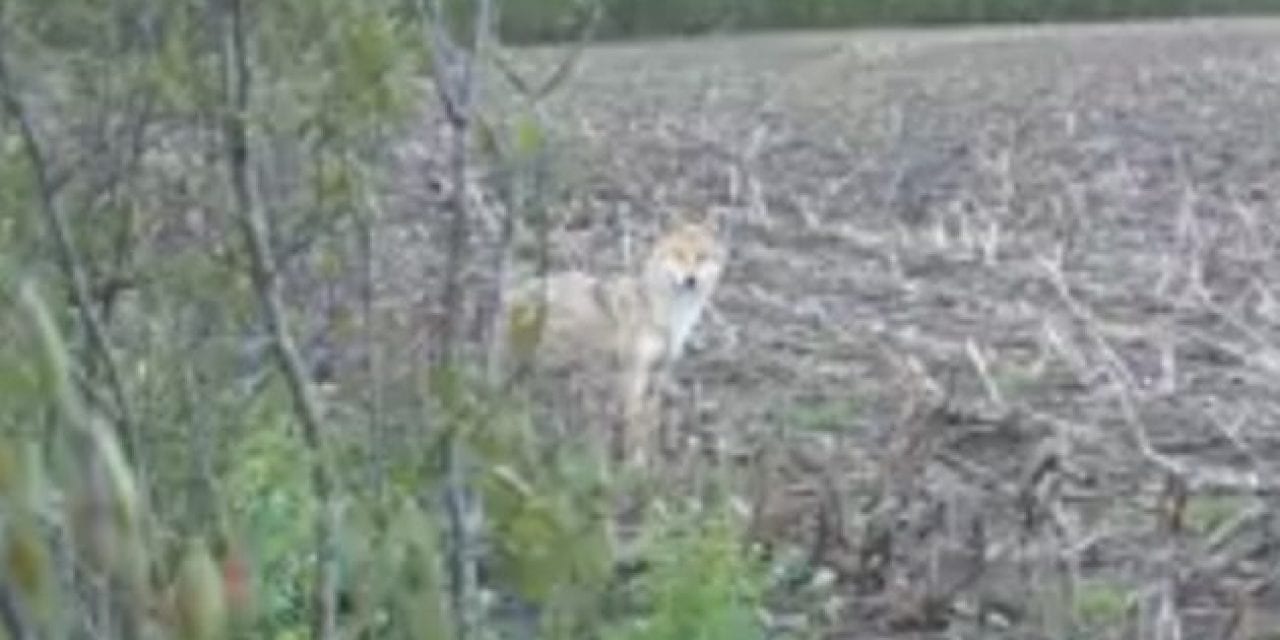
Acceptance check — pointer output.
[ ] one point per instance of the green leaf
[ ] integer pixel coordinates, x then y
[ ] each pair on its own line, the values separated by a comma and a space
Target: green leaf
1099, 603
529, 136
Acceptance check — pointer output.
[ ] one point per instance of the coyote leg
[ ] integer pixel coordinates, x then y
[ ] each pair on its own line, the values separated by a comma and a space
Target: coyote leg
638, 411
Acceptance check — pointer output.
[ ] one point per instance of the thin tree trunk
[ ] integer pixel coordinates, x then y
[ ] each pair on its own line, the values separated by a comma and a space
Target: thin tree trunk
253, 222
456, 88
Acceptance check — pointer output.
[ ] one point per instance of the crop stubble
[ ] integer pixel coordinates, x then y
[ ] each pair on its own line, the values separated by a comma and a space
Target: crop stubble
1013, 291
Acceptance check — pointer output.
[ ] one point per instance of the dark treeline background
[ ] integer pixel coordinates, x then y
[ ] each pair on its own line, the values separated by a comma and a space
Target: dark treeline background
543, 20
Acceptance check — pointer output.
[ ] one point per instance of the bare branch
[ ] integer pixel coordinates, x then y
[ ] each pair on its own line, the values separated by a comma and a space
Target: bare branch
455, 85
69, 259
457, 93
563, 69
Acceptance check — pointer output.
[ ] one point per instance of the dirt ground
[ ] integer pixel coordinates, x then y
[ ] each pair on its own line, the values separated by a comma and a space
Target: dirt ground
998, 349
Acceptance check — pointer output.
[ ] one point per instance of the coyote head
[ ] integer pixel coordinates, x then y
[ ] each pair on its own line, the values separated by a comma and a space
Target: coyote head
680, 275
686, 262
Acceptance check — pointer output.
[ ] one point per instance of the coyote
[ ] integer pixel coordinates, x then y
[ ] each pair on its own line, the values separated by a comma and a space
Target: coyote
629, 328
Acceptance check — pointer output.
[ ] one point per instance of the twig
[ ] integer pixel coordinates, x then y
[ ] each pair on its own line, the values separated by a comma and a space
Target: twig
1217, 540
236, 79
984, 373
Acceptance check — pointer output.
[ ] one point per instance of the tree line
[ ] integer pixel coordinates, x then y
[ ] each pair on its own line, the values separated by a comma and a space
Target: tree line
549, 20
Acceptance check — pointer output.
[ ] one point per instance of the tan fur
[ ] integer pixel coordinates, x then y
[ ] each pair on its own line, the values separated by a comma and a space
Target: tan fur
628, 327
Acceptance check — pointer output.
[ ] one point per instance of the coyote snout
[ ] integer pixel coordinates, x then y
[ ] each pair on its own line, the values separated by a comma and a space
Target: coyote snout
634, 325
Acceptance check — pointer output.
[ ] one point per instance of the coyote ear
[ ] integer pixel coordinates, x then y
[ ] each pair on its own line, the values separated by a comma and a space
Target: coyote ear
686, 215
715, 218
718, 219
